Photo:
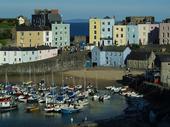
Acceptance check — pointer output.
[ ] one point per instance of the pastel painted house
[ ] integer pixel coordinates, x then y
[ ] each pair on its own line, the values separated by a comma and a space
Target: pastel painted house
119, 35
132, 34
107, 31
60, 35
110, 56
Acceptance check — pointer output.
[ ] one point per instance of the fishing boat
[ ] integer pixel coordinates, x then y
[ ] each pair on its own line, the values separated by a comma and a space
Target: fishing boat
23, 98
32, 108
106, 97
71, 109
7, 103
49, 108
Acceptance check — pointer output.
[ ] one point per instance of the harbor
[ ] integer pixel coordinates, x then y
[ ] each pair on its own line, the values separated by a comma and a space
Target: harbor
93, 111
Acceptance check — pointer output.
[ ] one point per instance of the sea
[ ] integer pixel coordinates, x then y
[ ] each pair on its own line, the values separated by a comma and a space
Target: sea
93, 112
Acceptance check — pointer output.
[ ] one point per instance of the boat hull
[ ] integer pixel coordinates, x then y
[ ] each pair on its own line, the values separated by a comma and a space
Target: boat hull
7, 109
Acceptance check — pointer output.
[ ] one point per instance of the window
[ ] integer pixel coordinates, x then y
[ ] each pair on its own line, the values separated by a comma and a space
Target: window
121, 35
103, 29
95, 37
163, 34
22, 33
108, 23
56, 28
55, 33
30, 58
103, 23
20, 59
47, 39
94, 26
15, 53
117, 28
30, 40
65, 32
144, 28
117, 35
94, 22
30, 34
15, 59
60, 38
95, 32
40, 51
108, 29
121, 29
55, 39
133, 36
32, 52
167, 34
4, 59
38, 33
4, 53
47, 33
61, 32
65, 28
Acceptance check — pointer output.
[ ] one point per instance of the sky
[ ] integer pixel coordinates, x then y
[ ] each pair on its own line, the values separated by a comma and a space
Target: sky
84, 9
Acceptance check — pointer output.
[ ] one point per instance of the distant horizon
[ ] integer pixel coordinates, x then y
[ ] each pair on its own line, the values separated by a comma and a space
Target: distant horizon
76, 9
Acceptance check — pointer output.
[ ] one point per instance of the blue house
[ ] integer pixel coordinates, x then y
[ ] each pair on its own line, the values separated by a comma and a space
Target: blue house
132, 34
110, 56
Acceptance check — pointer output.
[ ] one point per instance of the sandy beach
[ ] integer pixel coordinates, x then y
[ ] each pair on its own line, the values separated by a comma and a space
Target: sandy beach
102, 74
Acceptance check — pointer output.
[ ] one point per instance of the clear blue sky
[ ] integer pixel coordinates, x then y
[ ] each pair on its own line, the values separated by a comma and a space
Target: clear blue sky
83, 9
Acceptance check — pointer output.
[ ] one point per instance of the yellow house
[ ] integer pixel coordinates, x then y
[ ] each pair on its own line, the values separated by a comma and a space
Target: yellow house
29, 37
119, 35
94, 31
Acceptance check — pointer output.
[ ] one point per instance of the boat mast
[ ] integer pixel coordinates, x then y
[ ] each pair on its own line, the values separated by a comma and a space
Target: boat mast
6, 77
96, 81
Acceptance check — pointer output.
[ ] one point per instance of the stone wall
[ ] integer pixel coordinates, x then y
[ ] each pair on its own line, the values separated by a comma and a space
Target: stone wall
64, 61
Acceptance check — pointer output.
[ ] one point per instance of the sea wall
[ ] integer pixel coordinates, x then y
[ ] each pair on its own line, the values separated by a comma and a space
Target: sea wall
64, 61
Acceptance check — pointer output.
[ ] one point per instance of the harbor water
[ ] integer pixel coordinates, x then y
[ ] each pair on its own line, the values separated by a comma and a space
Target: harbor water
92, 112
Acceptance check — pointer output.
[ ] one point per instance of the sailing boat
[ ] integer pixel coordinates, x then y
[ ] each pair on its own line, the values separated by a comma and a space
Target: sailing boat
50, 98
7, 102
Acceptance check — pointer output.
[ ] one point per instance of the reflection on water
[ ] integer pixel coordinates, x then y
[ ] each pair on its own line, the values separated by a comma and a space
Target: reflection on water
5, 115
94, 111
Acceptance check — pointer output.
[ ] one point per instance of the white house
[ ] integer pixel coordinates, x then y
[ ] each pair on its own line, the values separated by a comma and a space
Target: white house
15, 55
47, 37
110, 56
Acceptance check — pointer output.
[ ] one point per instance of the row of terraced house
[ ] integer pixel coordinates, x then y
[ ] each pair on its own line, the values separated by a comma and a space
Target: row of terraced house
37, 40
141, 31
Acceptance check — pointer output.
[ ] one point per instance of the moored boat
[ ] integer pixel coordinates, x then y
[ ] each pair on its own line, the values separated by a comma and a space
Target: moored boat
7, 103
32, 108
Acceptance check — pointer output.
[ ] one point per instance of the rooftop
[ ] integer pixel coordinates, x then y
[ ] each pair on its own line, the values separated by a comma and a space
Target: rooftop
113, 48
139, 55
29, 28
26, 48
164, 57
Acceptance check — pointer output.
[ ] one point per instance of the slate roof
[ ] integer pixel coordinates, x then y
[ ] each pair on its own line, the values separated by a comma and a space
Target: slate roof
25, 48
139, 55
113, 48
164, 57
29, 28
